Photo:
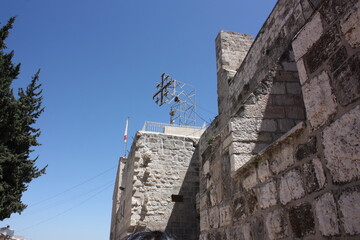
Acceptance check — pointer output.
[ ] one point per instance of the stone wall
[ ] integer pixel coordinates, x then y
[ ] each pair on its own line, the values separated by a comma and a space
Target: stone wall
282, 160
159, 186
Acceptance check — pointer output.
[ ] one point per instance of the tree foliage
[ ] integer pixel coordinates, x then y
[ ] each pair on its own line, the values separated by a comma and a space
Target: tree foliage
17, 134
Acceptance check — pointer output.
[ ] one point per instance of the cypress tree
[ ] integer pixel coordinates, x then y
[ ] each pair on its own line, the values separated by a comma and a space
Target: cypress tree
17, 133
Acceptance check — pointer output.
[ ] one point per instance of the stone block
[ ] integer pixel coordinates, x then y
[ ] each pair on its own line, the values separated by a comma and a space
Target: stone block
251, 201
225, 216
241, 147
244, 128
341, 148
326, 213
350, 27
238, 160
302, 71
349, 203
267, 195
257, 228
204, 220
254, 111
263, 170
302, 220
322, 49
282, 158
338, 59
214, 217
293, 112
276, 225
268, 125
307, 149
286, 124
250, 179
293, 88
319, 101
274, 112
314, 175
283, 100
346, 82
239, 204
311, 32
278, 88
331, 10
291, 187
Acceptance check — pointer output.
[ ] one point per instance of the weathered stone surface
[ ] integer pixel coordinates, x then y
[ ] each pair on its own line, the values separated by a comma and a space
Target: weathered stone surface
244, 128
319, 101
214, 217
257, 228
338, 59
268, 125
326, 213
331, 10
250, 180
314, 175
282, 158
341, 148
241, 147
204, 220
302, 220
225, 215
276, 225
308, 36
266, 195
239, 208
307, 149
346, 81
291, 187
238, 160
263, 171
322, 50
350, 27
302, 71
349, 203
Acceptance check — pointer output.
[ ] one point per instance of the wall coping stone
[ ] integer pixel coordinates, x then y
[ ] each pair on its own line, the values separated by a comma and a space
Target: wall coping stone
296, 130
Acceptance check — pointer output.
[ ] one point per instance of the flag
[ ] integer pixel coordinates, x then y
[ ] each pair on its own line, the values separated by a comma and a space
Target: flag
126, 131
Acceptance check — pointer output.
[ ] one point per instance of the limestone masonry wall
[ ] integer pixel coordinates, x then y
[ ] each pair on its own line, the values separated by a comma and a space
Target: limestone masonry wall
159, 187
282, 159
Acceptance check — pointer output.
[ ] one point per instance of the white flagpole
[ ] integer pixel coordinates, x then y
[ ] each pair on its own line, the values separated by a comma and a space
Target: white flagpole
126, 134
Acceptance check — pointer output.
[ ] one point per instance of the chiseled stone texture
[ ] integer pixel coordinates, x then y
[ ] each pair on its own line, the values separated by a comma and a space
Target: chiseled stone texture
341, 142
308, 36
350, 27
349, 203
319, 101
326, 213
282, 158
291, 187
276, 225
267, 195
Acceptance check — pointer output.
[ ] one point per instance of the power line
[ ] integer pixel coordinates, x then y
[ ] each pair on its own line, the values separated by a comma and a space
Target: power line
67, 210
73, 187
33, 212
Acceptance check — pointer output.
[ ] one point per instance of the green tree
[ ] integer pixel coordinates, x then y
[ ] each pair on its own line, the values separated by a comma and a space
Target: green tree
17, 134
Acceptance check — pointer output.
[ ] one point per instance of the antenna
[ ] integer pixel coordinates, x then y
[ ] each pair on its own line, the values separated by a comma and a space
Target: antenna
181, 98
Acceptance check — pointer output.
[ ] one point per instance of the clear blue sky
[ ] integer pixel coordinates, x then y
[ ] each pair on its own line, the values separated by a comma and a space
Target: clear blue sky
100, 61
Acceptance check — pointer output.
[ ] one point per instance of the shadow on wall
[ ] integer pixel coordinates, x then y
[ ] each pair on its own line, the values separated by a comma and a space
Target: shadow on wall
271, 110
184, 218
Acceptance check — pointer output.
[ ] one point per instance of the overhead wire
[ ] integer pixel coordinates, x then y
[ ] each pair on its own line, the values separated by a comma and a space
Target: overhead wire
63, 212
73, 187
33, 212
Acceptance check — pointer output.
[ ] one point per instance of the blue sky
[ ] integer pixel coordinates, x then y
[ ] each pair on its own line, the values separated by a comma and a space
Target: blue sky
100, 62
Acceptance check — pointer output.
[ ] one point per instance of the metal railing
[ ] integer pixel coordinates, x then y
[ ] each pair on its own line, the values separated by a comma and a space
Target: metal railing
160, 127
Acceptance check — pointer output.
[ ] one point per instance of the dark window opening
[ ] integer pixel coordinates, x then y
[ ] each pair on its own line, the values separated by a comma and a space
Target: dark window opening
177, 198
